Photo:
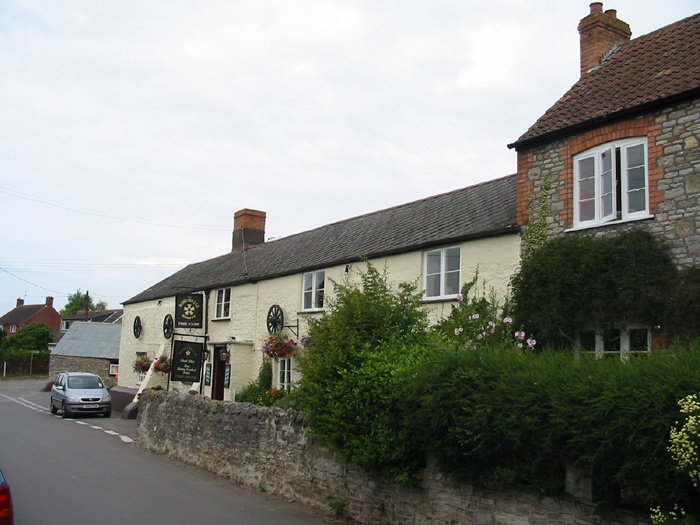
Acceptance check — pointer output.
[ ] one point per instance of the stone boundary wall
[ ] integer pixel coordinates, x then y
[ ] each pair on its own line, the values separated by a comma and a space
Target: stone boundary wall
270, 449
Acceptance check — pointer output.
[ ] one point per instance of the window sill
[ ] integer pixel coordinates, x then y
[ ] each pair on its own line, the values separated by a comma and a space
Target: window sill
311, 311
218, 319
609, 223
446, 299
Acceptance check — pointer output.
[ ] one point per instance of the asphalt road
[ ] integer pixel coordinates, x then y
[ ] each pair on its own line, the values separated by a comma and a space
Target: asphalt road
89, 471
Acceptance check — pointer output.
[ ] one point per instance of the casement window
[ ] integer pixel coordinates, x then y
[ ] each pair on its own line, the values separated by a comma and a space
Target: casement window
114, 369
223, 304
442, 273
13, 328
65, 325
312, 290
284, 373
615, 342
611, 183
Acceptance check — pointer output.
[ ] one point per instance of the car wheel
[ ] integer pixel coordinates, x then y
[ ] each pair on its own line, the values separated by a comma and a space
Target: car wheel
54, 410
64, 410
108, 414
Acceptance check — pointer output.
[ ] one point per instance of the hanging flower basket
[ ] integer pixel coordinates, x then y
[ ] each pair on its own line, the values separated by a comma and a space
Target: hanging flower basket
162, 365
142, 364
279, 346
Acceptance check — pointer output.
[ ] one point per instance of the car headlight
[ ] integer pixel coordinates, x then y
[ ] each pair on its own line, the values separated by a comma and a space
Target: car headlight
106, 397
72, 399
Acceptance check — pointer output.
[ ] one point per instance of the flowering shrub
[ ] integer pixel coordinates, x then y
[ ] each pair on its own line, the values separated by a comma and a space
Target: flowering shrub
162, 365
142, 364
476, 320
279, 346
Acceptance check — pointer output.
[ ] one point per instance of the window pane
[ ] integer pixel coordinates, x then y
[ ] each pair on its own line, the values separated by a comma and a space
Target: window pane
636, 178
226, 310
586, 211
606, 161
432, 285
635, 156
611, 340
432, 262
636, 201
452, 259
639, 339
586, 168
586, 189
607, 205
452, 283
587, 341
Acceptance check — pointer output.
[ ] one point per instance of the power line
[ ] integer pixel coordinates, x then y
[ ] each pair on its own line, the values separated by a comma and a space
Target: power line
85, 211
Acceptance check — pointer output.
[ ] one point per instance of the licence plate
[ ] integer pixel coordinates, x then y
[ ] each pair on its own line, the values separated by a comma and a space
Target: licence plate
91, 406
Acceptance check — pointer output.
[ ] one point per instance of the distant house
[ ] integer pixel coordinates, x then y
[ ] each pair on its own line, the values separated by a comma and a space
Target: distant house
25, 314
218, 312
621, 149
90, 347
93, 316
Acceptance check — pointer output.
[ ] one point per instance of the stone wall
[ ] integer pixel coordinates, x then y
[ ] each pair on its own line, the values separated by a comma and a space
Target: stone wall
270, 449
59, 363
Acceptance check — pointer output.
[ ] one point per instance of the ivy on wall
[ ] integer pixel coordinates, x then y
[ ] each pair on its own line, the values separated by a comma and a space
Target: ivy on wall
580, 281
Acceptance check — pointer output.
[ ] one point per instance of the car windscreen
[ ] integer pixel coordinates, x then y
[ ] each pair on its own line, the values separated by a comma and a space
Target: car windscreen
84, 382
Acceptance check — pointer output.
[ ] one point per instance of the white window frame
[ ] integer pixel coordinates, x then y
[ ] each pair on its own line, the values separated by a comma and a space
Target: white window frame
222, 309
113, 369
13, 328
611, 180
624, 351
313, 286
284, 373
442, 273
65, 325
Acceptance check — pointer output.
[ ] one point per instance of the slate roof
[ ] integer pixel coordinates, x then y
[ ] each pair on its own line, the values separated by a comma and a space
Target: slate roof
99, 340
98, 316
655, 69
478, 211
21, 314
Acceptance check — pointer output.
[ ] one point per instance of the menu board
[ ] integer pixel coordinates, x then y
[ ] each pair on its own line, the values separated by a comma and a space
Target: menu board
187, 362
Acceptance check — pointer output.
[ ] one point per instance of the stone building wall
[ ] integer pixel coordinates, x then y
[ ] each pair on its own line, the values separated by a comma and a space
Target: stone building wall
674, 178
269, 449
59, 363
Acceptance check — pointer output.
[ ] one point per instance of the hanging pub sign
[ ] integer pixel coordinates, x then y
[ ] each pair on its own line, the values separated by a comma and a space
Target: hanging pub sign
187, 362
189, 310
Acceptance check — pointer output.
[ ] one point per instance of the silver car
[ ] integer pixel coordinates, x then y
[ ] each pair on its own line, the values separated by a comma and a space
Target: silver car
76, 393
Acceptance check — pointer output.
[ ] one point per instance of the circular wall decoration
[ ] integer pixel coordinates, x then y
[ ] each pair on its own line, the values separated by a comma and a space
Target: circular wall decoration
137, 327
275, 319
168, 326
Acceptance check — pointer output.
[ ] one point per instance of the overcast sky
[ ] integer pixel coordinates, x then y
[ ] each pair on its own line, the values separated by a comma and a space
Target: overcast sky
132, 131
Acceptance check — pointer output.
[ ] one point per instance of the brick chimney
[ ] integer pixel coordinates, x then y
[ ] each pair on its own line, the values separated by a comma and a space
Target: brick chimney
20, 302
600, 31
49, 302
248, 229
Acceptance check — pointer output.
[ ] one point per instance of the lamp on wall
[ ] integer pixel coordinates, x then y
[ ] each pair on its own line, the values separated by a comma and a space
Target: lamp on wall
224, 355
207, 353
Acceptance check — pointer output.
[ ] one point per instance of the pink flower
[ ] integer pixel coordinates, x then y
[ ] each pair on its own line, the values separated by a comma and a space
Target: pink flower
460, 297
474, 316
520, 335
507, 320
531, 343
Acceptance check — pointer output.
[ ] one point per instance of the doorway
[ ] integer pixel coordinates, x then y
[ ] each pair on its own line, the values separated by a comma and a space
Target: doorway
221, 357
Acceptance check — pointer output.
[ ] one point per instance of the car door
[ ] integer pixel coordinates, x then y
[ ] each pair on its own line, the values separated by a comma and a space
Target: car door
58, 392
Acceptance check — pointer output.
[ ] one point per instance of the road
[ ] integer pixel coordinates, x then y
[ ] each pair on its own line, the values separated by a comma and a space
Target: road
89, 471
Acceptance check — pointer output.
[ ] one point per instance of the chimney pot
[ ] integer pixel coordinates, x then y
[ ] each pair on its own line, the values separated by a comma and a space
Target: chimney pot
596, 7
49, 302
612, 13
20, 302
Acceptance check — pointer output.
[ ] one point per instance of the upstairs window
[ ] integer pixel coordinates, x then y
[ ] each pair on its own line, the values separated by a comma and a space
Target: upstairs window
442, 273
313, 289
65, 325
611, 183
223, 304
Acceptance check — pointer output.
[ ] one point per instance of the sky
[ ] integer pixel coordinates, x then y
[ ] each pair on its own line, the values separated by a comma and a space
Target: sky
131, 131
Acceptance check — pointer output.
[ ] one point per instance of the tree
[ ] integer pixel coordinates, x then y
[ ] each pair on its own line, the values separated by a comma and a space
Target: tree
36, 336
78, 301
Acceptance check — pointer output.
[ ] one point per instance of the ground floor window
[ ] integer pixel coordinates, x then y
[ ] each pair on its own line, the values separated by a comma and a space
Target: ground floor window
284, 373
615, 342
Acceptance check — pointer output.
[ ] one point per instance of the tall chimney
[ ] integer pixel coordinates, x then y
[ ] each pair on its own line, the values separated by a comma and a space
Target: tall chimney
20, 302
248, 229
49, 302
600, 31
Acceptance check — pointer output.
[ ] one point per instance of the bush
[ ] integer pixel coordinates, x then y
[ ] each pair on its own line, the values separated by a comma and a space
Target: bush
357, 357
256, 392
